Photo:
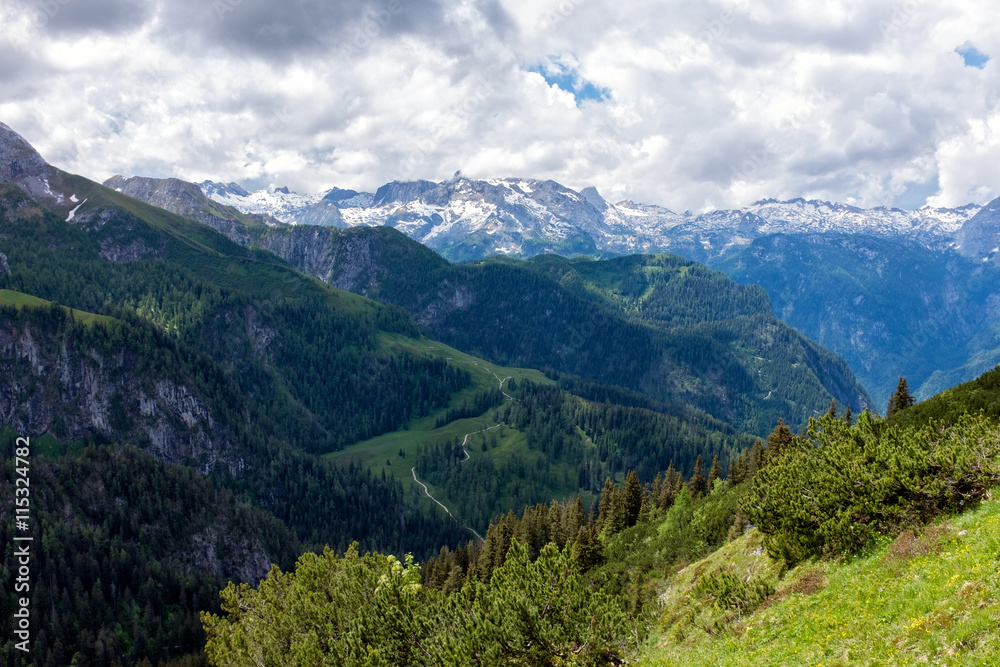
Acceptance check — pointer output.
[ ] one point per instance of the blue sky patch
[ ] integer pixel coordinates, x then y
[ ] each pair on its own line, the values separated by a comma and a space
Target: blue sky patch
972, 56
569, 79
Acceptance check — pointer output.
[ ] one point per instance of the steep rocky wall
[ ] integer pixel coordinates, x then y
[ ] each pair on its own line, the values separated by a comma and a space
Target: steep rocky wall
54, 384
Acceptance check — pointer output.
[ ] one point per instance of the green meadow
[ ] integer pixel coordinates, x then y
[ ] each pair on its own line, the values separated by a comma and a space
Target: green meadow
383, 453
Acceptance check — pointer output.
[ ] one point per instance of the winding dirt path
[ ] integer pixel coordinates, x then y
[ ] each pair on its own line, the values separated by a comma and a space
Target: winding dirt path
506, 395
448, 511
465, 441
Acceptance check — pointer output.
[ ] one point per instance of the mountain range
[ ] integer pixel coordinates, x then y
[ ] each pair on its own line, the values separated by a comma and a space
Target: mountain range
893, 292
304, 376
660, 325
466, 218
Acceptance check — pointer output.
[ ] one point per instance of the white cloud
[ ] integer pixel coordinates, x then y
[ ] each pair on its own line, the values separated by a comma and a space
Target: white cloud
708, 104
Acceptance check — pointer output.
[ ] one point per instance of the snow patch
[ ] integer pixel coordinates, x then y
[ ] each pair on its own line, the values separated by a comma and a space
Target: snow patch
73, 212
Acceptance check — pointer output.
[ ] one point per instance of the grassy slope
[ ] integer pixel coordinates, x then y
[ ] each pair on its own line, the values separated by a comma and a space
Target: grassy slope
936, 603
9, 297
374, 453
211, 255
981, 394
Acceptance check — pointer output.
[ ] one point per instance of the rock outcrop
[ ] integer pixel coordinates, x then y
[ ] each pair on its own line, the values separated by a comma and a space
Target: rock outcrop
55, 383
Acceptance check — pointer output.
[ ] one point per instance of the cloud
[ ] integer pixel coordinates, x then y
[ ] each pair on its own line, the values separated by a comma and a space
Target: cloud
679, 103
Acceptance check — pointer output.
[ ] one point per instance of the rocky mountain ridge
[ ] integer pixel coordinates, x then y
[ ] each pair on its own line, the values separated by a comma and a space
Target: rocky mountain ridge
468, 218
526, 314
893, 292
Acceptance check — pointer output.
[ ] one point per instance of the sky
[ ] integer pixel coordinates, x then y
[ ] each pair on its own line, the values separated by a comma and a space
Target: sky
689, 104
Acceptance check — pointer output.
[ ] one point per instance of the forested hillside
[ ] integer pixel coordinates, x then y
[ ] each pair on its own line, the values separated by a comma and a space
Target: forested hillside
788, 523
887, 306
123, 324
171, 338
659, 325
128, 551
670, 329
548, 443
272, 327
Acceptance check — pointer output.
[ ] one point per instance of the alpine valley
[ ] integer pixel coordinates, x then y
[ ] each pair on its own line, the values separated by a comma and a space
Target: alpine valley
379, 422
893, 292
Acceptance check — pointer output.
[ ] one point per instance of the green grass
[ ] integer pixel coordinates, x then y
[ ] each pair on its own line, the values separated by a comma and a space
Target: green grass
9, 297
212, 256
43, 445
934, 603
482, 371
374, 453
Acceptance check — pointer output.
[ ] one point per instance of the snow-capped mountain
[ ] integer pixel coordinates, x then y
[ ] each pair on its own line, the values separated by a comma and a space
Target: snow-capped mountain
280, 203
893, 292
462, 218
466, 218
645, 228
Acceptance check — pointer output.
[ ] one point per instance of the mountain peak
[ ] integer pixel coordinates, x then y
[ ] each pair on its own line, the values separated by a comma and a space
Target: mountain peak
211, 189
18, 158
594, 198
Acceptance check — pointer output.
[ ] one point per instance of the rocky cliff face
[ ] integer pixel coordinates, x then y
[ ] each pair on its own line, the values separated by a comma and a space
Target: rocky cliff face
21, 164
188, 200
17, 157
313, 250
55, 383
979, 237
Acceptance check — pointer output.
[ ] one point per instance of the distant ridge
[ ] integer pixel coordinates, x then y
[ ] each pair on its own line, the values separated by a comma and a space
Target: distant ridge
473, 218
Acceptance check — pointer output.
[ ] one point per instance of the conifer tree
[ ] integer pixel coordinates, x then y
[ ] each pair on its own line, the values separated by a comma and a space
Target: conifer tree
631, 499
714, 474
780, 440
573, 518
668, 488
588, 549
847, 416
900, 399
607, 518
832, 412
697, 485
756, 461
738, 469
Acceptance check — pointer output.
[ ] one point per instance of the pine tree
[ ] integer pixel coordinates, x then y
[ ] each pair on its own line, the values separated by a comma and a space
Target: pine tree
608, 514
697, 485
588, 549
738, 469
631, 499
574, 517
900, 399
668, 489
757, 460
832, 412
714, 474
847, 416
780, 440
